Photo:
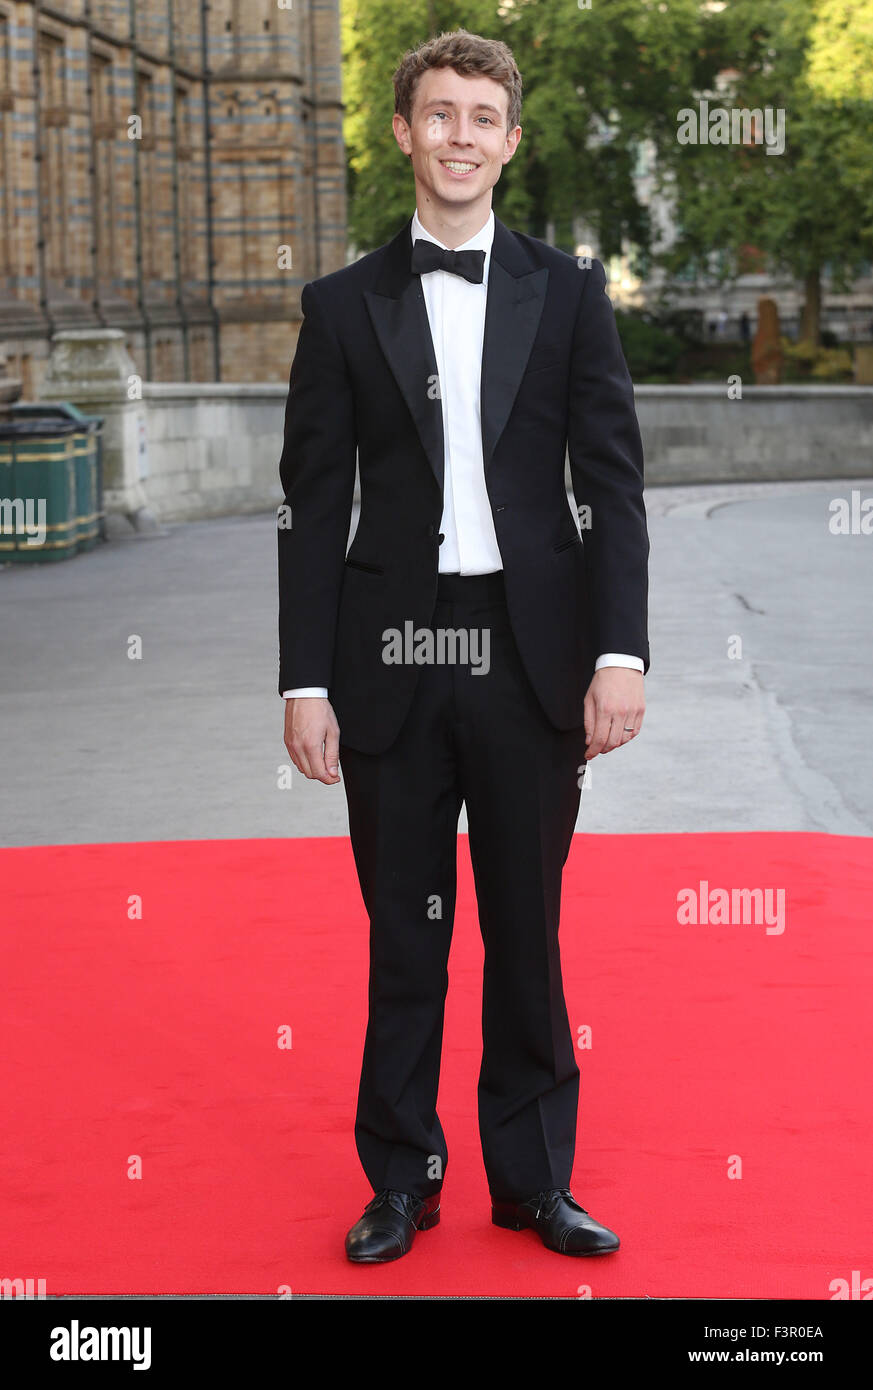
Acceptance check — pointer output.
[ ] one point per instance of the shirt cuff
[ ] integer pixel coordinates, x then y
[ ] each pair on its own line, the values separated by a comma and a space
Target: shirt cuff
635, 663
302, 690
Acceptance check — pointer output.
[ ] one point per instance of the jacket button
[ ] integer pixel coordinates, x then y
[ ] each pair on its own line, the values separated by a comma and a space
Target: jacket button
442, 538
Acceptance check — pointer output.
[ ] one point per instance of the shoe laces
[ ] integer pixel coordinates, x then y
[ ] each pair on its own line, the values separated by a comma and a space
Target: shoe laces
548, 1200
381, 1198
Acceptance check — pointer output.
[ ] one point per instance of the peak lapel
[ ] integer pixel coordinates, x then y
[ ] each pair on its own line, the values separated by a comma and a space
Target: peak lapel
514, 307
399, 317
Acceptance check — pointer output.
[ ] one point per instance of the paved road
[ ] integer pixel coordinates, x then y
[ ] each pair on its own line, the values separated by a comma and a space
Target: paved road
186, 742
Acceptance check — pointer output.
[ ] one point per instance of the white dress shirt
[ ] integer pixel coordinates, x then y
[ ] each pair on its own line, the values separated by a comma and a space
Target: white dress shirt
456, 314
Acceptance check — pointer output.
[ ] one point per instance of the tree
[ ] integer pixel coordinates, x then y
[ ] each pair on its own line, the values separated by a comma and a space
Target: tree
806, 209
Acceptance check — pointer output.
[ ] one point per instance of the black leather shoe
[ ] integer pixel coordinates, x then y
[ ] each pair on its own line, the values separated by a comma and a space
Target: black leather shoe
559, 1221
388, 1226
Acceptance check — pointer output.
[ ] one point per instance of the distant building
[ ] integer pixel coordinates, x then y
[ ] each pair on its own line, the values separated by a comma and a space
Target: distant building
174, 235
720, 307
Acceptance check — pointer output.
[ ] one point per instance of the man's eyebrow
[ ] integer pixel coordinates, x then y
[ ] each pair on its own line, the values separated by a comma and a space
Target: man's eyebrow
479, 105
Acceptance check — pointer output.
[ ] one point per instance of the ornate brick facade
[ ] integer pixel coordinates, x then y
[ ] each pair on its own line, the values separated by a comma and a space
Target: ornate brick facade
155, 158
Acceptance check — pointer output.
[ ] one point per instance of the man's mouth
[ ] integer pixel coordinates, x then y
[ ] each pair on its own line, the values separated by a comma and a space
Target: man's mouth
459, 167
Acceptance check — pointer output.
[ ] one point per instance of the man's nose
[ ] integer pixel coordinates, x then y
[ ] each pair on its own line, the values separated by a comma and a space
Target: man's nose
463, 134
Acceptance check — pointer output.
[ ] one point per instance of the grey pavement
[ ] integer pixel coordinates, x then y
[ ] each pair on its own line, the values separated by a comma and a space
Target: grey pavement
186, 743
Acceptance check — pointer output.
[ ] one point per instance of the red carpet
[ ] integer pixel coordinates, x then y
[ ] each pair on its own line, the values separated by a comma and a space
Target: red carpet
158, 1038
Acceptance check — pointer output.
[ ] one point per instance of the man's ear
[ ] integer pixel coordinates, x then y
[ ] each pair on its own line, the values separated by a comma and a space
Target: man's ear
516, 134
401, 133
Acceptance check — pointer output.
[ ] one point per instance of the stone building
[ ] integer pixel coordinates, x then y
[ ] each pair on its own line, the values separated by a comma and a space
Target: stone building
173, 170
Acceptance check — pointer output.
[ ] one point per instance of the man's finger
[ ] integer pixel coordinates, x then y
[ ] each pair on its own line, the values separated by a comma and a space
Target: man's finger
616, 732
301, 760
315, 756
601, 732
331, 752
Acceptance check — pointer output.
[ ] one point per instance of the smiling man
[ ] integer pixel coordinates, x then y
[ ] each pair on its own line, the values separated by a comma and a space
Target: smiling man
459, 363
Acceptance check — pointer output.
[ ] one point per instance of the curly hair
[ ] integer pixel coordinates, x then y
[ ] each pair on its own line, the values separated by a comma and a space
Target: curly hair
469, 54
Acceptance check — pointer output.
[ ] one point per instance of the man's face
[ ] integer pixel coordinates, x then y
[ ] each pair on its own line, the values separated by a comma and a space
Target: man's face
458, 138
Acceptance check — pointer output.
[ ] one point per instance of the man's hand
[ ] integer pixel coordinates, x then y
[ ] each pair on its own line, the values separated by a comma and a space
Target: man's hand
310, 726
614, 705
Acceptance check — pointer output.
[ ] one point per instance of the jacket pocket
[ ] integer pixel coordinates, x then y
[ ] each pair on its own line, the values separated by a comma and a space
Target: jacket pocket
545, 358
565, 545
365, 566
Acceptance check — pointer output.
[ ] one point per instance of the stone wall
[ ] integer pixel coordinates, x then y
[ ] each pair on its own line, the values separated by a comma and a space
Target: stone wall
695, 434
215, 449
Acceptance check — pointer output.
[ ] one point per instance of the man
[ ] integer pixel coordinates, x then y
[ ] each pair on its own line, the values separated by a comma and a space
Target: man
460, 361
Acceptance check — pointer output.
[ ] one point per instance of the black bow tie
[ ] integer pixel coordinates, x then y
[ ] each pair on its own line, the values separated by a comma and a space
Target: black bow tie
426, 255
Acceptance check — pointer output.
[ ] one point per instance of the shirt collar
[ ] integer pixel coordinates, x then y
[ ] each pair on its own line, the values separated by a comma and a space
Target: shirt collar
481, 241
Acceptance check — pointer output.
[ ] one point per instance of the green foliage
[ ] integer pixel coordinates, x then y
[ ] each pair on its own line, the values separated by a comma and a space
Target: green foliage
841, 46
651, 352
808, 207
813, 362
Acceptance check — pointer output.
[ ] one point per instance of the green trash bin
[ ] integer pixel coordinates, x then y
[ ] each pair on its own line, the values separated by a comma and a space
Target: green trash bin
38, 511
90, 516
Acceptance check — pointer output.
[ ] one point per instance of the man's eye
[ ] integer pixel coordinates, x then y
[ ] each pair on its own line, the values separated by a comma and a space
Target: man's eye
487, 119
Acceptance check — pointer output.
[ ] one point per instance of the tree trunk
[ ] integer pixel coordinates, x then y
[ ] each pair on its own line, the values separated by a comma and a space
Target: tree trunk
810, 319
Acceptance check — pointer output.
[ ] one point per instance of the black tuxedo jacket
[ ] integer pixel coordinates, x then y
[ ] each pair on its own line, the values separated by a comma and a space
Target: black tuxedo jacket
364, 379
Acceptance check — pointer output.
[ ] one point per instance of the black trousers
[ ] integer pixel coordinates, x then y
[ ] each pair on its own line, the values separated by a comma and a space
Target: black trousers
483, 740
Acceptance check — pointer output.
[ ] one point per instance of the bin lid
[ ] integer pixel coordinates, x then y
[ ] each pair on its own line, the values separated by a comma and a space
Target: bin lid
57, 409
38, 427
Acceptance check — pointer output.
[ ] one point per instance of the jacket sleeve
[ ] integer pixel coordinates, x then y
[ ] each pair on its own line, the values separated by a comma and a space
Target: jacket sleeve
317, 472
606, 468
